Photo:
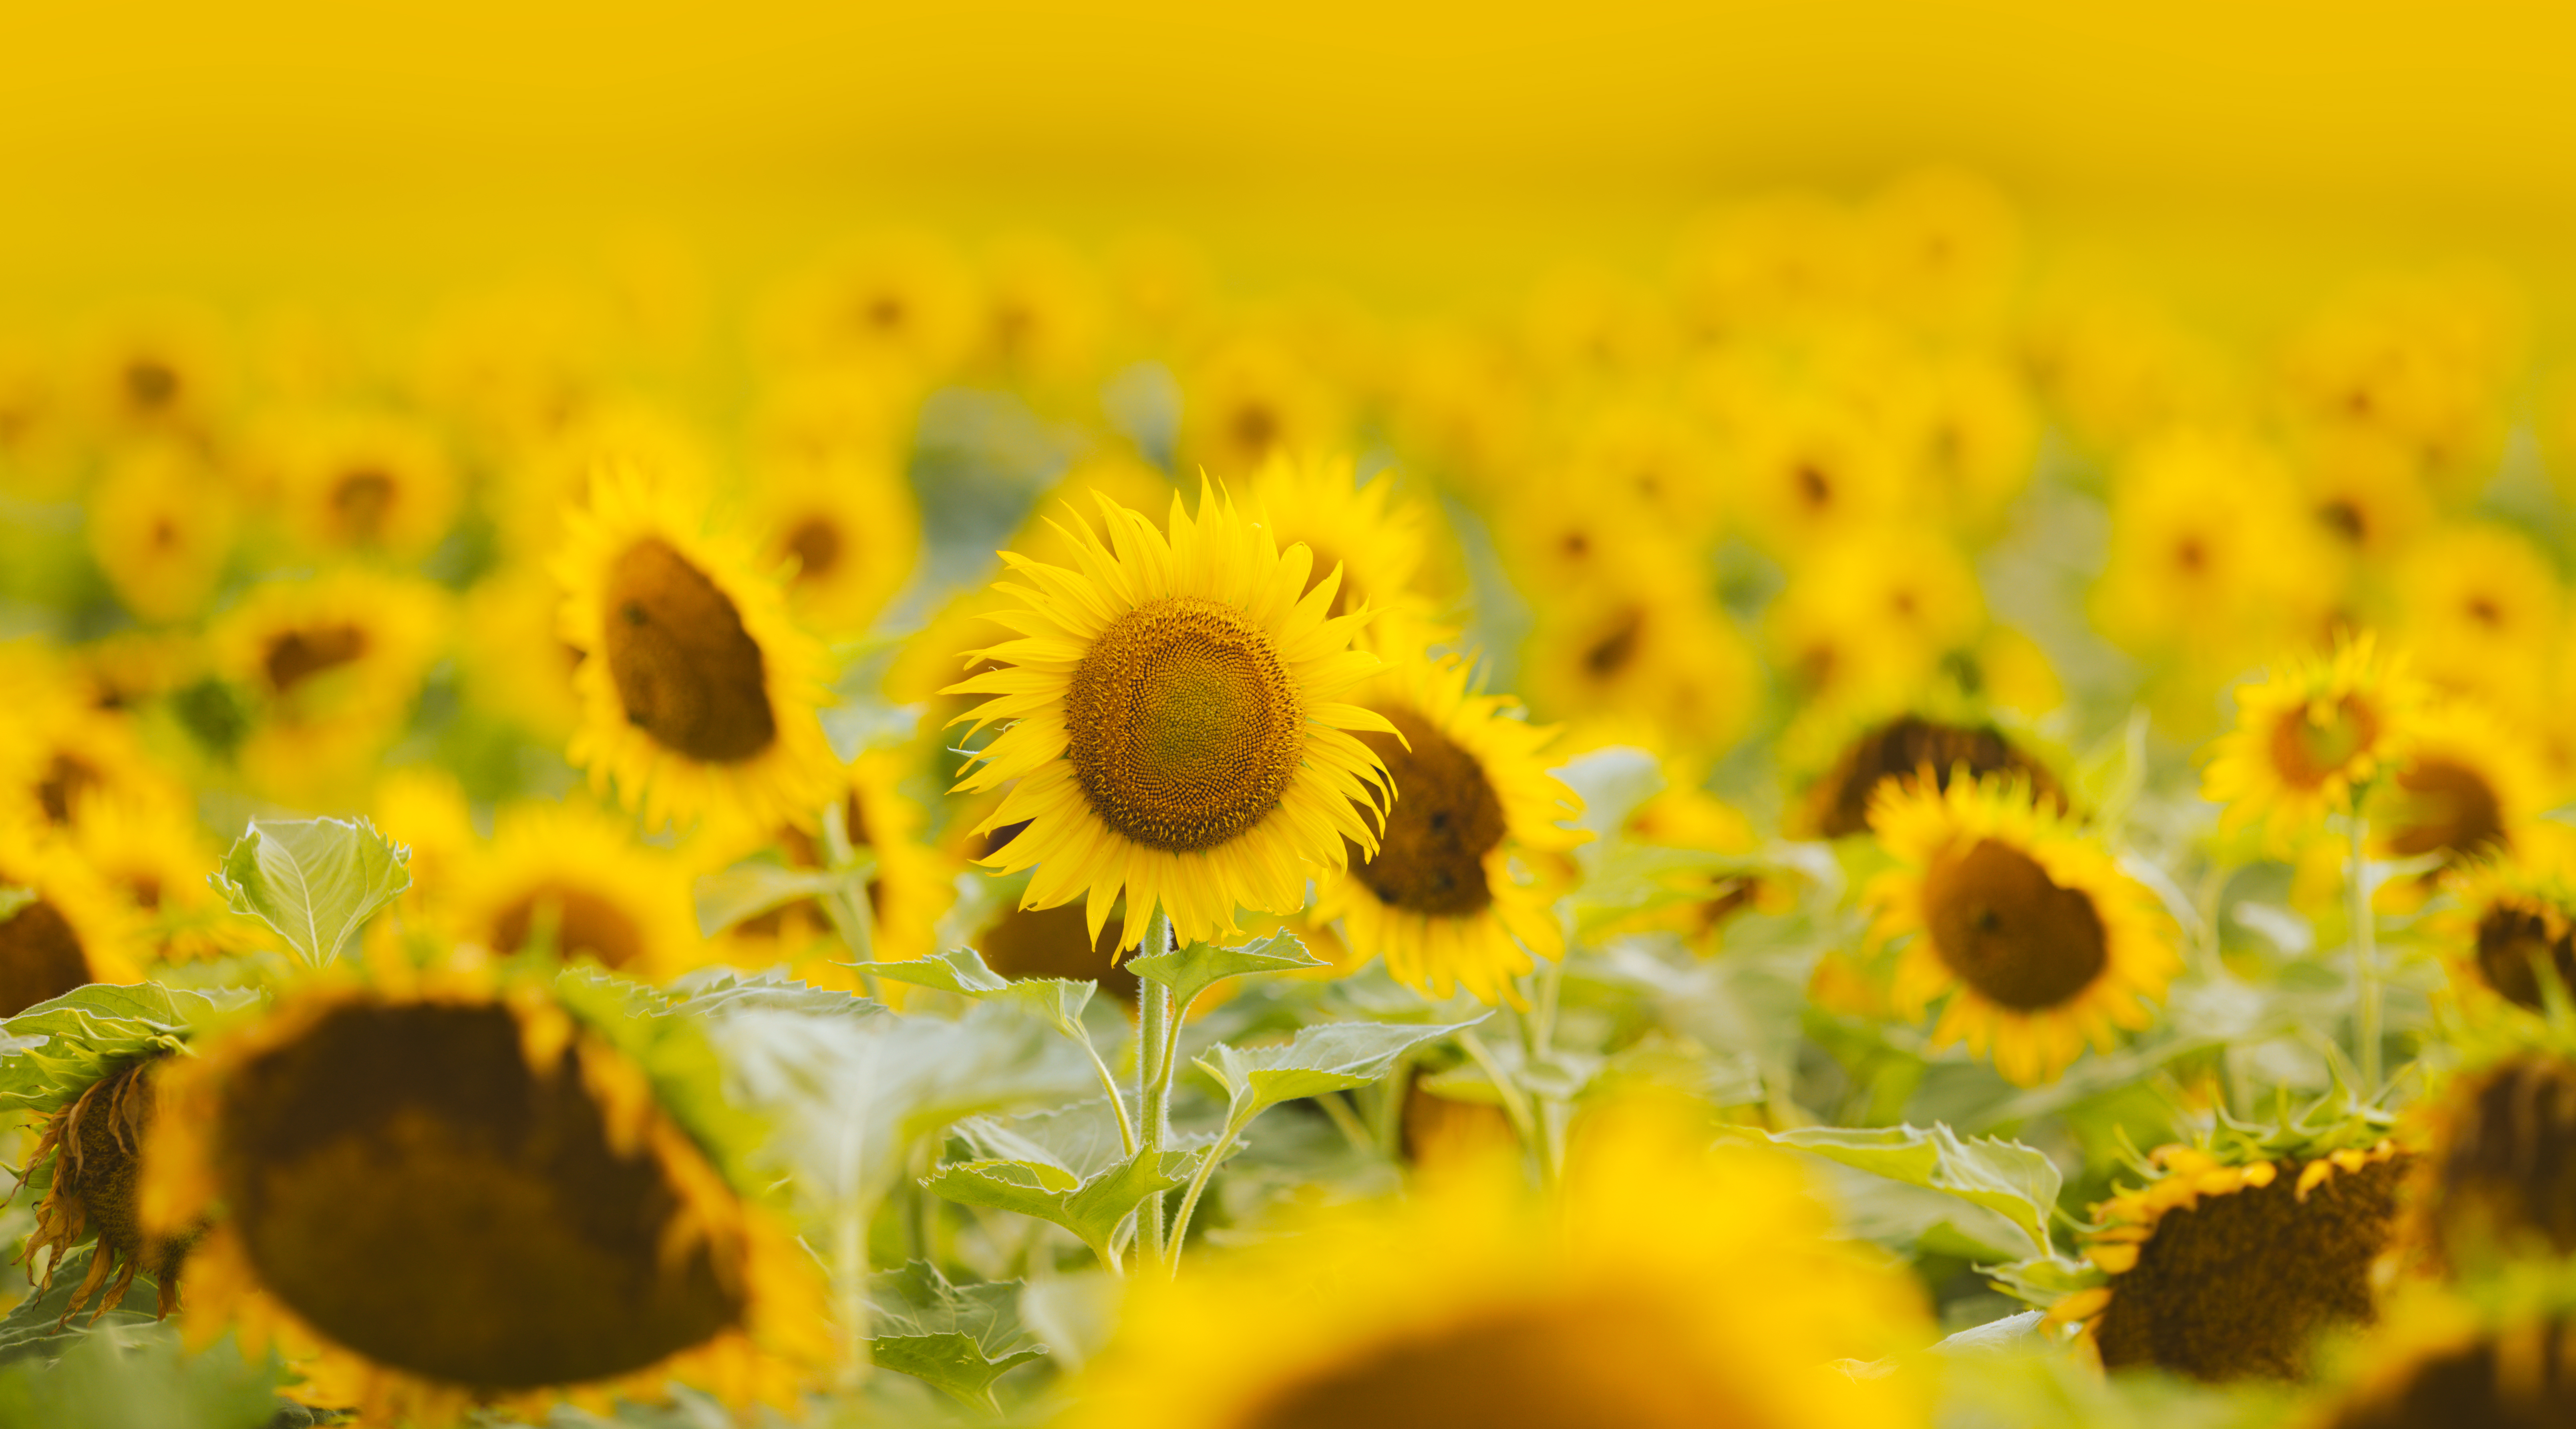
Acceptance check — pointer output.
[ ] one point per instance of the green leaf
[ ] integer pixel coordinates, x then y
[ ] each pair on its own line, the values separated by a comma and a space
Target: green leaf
125, 1367
756, 886
1194, 969
12, 898
316, 881
1057, 1000
1330, 1057
1090, 1207
726, 991
55, 1050
960, 1338
2007, 1177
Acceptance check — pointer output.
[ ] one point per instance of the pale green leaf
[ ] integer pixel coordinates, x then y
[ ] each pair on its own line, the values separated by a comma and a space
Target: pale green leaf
1059, 1001
1330, 1057
1090, 1207
2014, 1180
756, 886
316, 881
959, 1338
55, 1050
1191, 970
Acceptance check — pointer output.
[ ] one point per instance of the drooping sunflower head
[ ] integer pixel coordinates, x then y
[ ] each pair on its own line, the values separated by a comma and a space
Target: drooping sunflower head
576, 880
1380, 541
1837, 804
1176, 730
1466, 1303
2310, 737
1450, 897
2227, 1264
698, 694
90, 1158
2029, 929
459, 1194
62, 927
850, 526
161, 525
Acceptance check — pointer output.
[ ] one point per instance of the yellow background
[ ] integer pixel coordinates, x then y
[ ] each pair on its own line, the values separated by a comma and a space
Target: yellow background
2244, 155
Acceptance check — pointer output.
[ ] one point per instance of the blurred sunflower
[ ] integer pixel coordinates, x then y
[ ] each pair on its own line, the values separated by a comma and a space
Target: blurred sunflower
1057, 942
1780, 261
161, 529
1176, 728
2511, 917
2226, 1265
2479, 614
517, 666
1868, 620
155, 857
1643, 656
1940, 249
2310, 738
547, 485
87, 1162
1970, 439
576, 879
1650, 459
455, 1193
2505, 1359
1378, 540
2467, 787
2424, 370
909, 890
330, 664
2119, 372
851, 528
363, 483
1044, 313
1446, 898
2039, 941
1807, 466
58, 755
2497, 1183
698, 695
1464, 1303
1837, 803
1250, 398
63, 927
164, 372
900, 300
2212, 559
2368, 502
513, 369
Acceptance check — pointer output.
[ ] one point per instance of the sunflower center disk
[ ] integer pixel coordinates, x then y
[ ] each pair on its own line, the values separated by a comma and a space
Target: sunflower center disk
1906, 747
405, 1184
2513, 943
2307, 753
1445, 820
2009, 932
299, 655
687, 672
2240, 1286
40, 957
583, 922
2450, 809
2508, 1176
1183, 726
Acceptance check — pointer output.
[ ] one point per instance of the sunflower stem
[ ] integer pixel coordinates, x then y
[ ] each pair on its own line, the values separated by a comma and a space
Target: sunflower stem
1158, 1026
1198, 1185
2365, 959
1117, 1101
1515, 1106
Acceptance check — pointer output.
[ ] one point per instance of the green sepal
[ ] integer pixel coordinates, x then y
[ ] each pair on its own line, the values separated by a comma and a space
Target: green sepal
2006, 1177
1189, 971
316, 881
959, 1338
2043, 1280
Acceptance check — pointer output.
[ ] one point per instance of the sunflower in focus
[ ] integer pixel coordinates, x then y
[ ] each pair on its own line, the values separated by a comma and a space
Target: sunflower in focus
456, 1193
1447, 898
698, 695
1643, 656
852, 530
2038, 940
1379, 541
1464, 1303
1176, 725
2228, 1263
63, 927
1837, 803
2310, 738
161, 528
363, 483
575, 879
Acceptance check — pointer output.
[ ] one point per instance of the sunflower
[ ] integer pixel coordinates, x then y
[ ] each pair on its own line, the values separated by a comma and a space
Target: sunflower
517, 666
2512, 916
575, 877
2041, 943
2212, 558
1781, 260
1465, 1303
909, 891
1250, 398
1054, 942
2425, 369
2479, 611
58, 753
155, 858
330, 664
1175, 725
2497, 1183
2366, 498
1808, 465
455, 1192
851, 528
1643, 656
902, 301
69, 934
1043, 313
166, 372
2119, 372
363, 483
2310, 738
2226, 1265
1652, 460
1446, 898
1940, 249
1971, 441
1379, 541
698, 697
1837, 803
89, 1159
423, 808
2466, 788
1871, 617
2505, 1359
161, 528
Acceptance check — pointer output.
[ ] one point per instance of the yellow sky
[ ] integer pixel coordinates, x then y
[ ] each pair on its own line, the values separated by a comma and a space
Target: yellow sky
1412, 149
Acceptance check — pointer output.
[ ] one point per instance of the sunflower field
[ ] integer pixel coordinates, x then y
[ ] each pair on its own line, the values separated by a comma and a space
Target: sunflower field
1818, 819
